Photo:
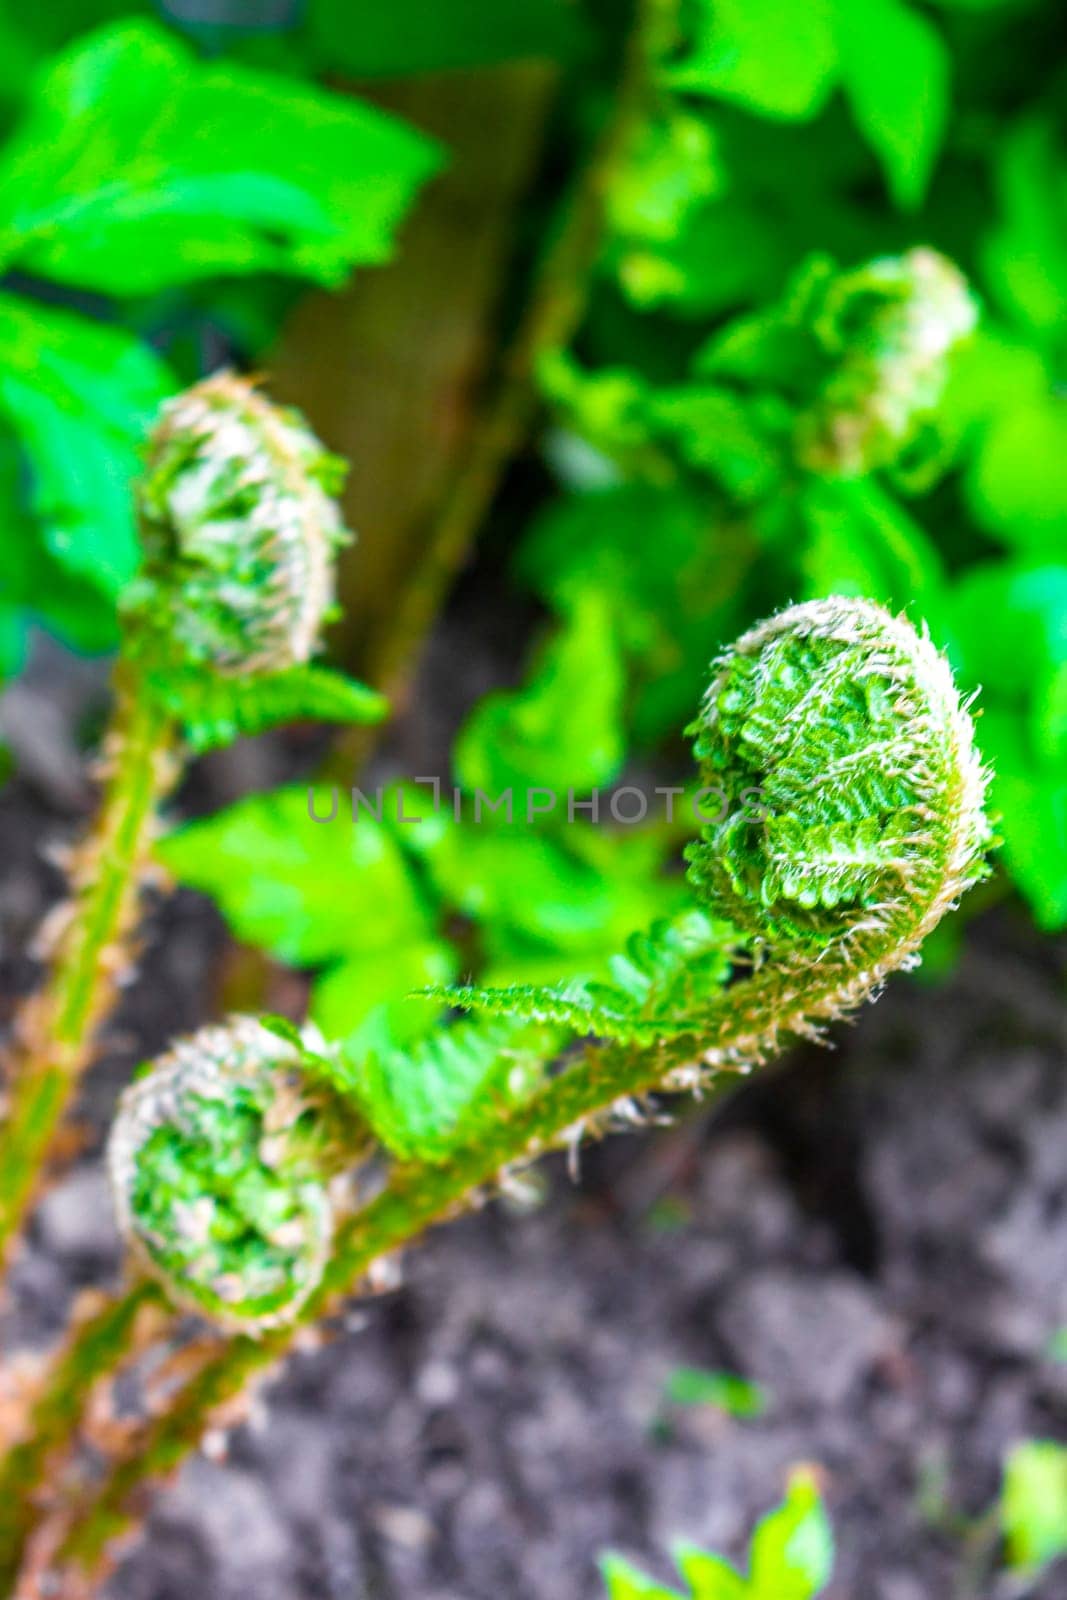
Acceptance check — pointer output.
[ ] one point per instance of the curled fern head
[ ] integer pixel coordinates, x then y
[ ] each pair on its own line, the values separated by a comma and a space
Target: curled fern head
219, 1160
888, 330
851, 794
240, 530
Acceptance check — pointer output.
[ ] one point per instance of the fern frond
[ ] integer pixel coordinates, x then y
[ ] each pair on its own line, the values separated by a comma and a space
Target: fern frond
585, 1008
663, 982
425, 1101
214, 711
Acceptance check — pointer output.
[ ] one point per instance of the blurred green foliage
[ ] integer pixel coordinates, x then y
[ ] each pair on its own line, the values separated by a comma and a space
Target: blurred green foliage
724, 1391
775, 137
358, 37
133, 168
1033, 1507
791, 1557
775, 393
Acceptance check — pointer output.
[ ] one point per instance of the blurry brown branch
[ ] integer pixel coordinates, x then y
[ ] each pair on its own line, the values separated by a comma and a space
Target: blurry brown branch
427, 462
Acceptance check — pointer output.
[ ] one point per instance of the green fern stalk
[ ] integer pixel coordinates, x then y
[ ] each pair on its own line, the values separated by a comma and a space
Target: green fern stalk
90, 954
870, 826
240, 535
95, 1347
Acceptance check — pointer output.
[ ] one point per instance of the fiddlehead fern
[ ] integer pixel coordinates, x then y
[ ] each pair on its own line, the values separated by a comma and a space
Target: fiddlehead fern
221, 1157
240, 535
844, 726
870, 825
886, 332
240, 529
851, 821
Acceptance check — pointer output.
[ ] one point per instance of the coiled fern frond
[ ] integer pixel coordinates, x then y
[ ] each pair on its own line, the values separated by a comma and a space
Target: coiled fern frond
852, 819
887, 331
221, 1157
240, 530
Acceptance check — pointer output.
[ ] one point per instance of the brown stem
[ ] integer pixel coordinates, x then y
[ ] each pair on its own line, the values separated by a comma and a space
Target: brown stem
553, 315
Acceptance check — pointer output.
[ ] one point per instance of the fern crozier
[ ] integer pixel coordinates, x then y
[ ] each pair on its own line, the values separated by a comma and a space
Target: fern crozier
888, 329
240, 532
219, 1169
869, 823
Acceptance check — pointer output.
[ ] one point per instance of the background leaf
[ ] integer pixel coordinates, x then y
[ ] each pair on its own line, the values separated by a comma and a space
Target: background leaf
307, 891
775, 57
1026, 256
725, 1391
563, 729
1034, 1504
81, 396
895, 69
792, 1553
138, 167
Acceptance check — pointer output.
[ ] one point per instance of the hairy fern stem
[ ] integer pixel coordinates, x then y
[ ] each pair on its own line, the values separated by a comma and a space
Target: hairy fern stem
90, 940
95, 1345
752, 1020
871, 825
240, 531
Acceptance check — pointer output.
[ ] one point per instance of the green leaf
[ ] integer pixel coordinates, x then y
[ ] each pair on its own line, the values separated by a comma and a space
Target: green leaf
17, 59
792, 1554
81, 397
366, 1001
1026, 256
709, 1577
1029, 805
283, 1028
1033, 1505
34, 586
672, 166
730, 437
722, 254
439, 1093
1008, 634
725, 1391
895, 69
47, 29
992, 371
575, 893
775, 57
139, 167
12, 641
1008, 624
310, 892
861, 542
792, 1558
783, 58
651, 555
1002, 399
563, 729
1017, 484
626, 1583
424, 36
215, 711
